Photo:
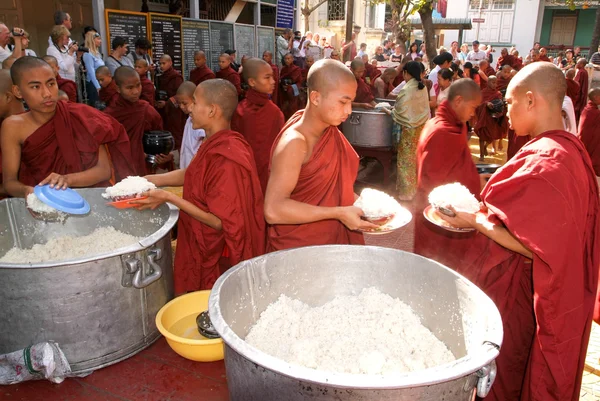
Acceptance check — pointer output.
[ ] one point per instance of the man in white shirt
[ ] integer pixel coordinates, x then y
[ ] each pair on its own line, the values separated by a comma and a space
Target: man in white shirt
4, 40
284, 45
476, 55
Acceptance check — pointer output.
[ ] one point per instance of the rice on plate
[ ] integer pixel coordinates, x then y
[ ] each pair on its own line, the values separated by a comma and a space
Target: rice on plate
129, 188
377, 205
456, 195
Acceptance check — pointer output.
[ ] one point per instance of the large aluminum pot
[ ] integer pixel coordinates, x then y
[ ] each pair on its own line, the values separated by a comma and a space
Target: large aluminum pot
454, 309
368, 129
391, 102
100, 309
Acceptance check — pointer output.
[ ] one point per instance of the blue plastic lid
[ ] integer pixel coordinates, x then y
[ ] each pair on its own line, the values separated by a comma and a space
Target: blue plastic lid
65, 200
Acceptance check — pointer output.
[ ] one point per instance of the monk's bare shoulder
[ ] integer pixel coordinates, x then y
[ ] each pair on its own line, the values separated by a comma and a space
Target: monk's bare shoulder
19, 126
291, 143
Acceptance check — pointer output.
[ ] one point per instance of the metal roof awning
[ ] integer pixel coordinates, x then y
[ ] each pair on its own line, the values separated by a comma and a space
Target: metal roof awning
444, 23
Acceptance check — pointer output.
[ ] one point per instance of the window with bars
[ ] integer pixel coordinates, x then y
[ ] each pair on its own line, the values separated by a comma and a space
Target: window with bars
336, 10
503, 4
491, 4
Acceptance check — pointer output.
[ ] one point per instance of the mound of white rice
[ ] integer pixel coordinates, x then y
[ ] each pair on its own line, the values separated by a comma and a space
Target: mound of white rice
35, 204
455, 195
376, 203
383, 105
102, 240
131, 186
370, 333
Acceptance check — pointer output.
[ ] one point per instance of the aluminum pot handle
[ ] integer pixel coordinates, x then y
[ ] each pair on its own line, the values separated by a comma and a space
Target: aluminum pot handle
139, 281
487, 376
354, 119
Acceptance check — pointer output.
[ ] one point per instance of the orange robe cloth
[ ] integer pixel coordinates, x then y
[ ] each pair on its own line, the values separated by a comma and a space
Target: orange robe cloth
582, 78
372, 73
589, 133
515, 143
221, 180
173, 118
69, 143
109, 94
489, 128
67, 86
289, 103
502, 83
275, 95
363, 92
232, 76
443, 157
259, 120
136, 118
544, 58
508, 60
488, 72
148, 90
572, 90
546, 303
201, 74
326, 179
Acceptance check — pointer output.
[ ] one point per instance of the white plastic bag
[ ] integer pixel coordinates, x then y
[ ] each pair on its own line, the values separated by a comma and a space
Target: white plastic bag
39, 361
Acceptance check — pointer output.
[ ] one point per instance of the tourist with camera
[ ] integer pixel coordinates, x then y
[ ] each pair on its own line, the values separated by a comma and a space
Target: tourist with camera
5, 37
63, 49
92, 60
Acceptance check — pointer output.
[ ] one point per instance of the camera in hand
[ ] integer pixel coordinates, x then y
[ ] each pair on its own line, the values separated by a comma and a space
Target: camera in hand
82, 48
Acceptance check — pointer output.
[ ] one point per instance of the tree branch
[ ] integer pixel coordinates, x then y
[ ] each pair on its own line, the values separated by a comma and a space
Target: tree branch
313, 8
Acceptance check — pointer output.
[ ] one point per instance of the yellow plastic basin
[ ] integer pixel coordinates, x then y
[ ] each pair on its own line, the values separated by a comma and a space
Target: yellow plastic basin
177, 322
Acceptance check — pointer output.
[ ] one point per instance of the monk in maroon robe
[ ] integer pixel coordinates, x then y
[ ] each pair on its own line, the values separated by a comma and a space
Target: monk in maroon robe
485, 68
371, 72
310, 194
503, 78
65, 85
444, 157
257, 118
268, 57
538, 248
228, 73
137, 116
59, 145
290, 82
488, 127
572, 86
589, 128
148, 89
507, 59
168, 83
222, 205
582, 78
201, 73
364, 95
108, 90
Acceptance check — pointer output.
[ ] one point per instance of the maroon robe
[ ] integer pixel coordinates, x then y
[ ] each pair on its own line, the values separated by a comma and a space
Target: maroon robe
372, 73
515, 143
173, 118
69, 143
222, 180
148, 90
232, 76
326, 179
502, 83
546, 303
582, 79
363, 92
259, 120
443, 157
589, 133
67, 86
201, 74
544, 58
289, 102
110, 94
136, 118
573, 90
508, 60
488, 128
488, 72
275, 95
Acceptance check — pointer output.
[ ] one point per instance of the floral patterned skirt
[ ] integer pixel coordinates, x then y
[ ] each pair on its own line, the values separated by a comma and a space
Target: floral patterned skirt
408, 139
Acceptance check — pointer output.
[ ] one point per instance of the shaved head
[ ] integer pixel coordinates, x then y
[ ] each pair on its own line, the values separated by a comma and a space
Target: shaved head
8, 62
220, 93
25, 64
594, 95
50, 60
124, 73
465, 88
186, 89
252, 67
166, 57
140, 62
544, 80
326, 74
570, 73
581, 62
507, 68
199, 53
356, 64
6, 82
103, 70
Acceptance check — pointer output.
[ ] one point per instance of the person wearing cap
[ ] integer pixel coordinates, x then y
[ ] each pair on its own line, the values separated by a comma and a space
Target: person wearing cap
475, 56
443, 60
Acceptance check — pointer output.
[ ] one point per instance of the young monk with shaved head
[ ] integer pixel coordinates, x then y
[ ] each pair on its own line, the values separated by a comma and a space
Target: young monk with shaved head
228, 73
136, 115
168, 83
9, 106
65, 85
444, 157
108, 92
537, 251
201, 73
310, 194
364, 97
148, 89
222, 201
58, 144
257, 118
268, 58
589, 128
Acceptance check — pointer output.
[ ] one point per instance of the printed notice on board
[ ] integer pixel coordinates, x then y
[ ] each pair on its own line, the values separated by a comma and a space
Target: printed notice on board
285, 13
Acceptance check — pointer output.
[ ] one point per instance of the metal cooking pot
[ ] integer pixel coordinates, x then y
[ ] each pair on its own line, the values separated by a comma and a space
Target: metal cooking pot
454, 309
391, 102
157, 143
368, 129
99, 309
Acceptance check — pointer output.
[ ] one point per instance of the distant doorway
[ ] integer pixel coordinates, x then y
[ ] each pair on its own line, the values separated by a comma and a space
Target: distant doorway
563, 30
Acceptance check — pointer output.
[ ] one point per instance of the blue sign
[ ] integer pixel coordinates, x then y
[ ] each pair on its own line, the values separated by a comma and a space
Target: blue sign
285, 14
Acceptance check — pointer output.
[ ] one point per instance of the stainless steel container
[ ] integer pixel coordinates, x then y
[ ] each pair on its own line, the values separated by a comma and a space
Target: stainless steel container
99, 309
391, 102
454, 309
368, 129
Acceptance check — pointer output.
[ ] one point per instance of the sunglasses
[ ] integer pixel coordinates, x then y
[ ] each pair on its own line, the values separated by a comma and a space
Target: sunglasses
96, 35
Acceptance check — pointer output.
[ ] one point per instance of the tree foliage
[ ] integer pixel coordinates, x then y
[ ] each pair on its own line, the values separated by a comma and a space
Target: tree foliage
309, 6
401, 11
